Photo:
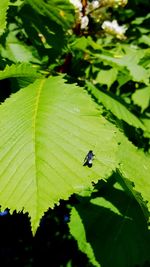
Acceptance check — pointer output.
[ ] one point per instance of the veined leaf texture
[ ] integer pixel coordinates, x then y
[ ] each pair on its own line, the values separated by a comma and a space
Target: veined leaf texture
47, 129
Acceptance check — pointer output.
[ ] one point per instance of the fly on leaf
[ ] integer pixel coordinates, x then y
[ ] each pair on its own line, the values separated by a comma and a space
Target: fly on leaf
88, 161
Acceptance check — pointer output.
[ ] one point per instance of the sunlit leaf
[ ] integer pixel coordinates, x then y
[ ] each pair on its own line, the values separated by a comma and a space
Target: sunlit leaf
4, 4
19, 70
47, 129
142, 97
107, 77
115, 106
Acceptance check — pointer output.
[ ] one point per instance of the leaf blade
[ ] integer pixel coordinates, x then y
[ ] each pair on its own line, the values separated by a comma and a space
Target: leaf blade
116, 107
3, 14
46, 132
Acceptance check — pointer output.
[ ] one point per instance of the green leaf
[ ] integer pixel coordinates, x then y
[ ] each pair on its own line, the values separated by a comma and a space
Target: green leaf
18, 51
45, 38
61, 12
19, 70
78, 232
128, 186
146, 122
116, 107
135, 166
131, 60
4, 4
142, 97
107, 77
145, 39
111, 230
17, 3
47, 129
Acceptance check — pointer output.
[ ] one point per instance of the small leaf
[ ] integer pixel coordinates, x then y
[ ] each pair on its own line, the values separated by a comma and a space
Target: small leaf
19, 70
146, 122
107, 77
142, 97
145, 39
4, 4
17, 51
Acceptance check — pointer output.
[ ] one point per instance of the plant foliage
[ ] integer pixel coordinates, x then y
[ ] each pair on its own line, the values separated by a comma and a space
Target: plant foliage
75, 121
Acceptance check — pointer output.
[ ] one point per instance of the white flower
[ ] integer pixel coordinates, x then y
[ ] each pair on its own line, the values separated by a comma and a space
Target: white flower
95, 4
114, 28
77, 4
84, 22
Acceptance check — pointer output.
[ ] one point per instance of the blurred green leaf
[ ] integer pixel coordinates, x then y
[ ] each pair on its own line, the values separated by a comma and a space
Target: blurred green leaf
19, 70
131, 60
141, 97
61, 12
16, 50
4, 5
107, 77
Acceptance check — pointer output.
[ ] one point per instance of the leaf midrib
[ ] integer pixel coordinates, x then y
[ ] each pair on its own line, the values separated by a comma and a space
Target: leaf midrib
34, 127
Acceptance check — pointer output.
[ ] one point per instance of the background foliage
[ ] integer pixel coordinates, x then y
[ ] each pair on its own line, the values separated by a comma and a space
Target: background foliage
66, 89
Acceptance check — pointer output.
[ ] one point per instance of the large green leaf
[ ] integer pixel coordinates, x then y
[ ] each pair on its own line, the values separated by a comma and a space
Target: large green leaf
117, 108
47, 129
4, 4
111, 230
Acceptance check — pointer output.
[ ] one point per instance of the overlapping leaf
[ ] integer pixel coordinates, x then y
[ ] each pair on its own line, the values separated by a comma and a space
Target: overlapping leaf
61, 12
135, 166
116, 107
113, 227
142, 97
130, 60
47, 129
19, 70
4, 4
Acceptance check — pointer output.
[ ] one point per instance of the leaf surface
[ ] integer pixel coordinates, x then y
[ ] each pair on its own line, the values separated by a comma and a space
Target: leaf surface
116, 107
47, 129
4, 4
135, 166
61, 12
112, 226
107, 77
142, 97
19, 70
130, 60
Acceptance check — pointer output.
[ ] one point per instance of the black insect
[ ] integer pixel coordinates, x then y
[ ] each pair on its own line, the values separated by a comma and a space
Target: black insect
88, 161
